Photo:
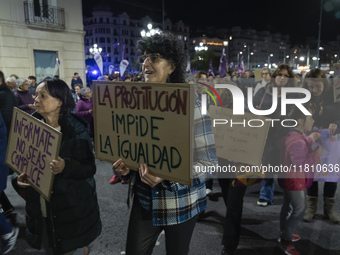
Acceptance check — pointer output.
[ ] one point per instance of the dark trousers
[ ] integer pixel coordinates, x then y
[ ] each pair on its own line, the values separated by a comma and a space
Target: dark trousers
233, 199
5, 203
142, 235
328, 190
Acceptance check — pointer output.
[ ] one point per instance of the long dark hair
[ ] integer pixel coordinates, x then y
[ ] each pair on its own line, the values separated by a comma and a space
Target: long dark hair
170, 48
291, 82
318, 75
59, 89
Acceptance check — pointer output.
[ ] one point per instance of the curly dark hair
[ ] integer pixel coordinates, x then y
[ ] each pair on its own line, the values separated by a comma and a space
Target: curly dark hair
169, 47
59, 89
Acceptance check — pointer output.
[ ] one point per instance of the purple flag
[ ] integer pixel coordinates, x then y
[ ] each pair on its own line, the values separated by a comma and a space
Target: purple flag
223, 64
231, 65
211, 70
116, 44
240, 68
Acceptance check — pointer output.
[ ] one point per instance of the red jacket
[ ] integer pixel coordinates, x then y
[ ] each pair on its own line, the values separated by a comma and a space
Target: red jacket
297, 151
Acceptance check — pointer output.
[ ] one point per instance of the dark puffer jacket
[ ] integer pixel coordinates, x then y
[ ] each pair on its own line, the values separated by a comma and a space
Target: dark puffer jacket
73, 218
7, 102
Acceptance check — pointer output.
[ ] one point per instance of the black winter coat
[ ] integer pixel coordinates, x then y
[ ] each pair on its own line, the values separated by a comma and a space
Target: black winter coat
7, 102
73, 218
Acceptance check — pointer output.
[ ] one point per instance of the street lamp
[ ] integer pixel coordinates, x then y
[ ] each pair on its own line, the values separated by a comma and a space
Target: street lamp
319, 37
95, 49
201, 47
150, 31
269, 65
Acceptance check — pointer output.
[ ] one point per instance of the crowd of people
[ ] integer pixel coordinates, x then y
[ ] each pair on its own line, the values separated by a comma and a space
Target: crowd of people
71, 219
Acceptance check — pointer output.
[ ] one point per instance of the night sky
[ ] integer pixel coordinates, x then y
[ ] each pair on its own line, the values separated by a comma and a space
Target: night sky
298, 18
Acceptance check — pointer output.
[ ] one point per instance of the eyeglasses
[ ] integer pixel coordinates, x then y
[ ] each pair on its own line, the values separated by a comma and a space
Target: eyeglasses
152, 58
283, 75
264, 73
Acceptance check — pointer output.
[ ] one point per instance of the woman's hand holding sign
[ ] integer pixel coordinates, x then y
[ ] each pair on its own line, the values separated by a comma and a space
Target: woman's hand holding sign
57, 165
120, 168
148, 178
22, 181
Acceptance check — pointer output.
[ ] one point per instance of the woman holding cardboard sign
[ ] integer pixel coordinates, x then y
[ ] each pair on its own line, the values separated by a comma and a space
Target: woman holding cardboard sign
327, 116
71, 219
161, 204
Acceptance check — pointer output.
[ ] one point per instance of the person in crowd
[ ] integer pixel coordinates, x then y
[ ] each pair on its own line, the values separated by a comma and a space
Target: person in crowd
24, 98
265, 74
232, 194
8, 233
7, 103
84, 108
71, 219
161, 204
14, 75
76, 80
327, 116
235, 79
246, 82
77, 90
33, 85
283, 76
295, 149
11, 83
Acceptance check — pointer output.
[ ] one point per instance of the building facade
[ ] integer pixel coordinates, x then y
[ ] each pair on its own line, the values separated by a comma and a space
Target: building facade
42, 38
255, 48
112, 31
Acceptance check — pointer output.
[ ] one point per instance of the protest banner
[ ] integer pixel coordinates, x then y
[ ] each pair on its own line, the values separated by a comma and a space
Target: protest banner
145, 123
237, 142
32, 145
329, 169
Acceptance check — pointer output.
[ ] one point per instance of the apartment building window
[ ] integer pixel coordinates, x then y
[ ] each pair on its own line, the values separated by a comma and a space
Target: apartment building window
100, 20
124, 22
108, 40
41, 10
102, 40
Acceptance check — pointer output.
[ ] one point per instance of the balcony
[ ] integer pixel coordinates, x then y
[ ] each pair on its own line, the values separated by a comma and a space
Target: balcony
44, 16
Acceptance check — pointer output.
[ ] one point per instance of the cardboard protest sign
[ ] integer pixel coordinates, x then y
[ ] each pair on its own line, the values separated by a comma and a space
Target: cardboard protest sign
258, 75
146, 123
31, 147
237, 142
329, 169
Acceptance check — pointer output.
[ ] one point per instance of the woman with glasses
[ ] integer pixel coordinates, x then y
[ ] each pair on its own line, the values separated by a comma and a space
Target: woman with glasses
265, 74
283, 76
161, 204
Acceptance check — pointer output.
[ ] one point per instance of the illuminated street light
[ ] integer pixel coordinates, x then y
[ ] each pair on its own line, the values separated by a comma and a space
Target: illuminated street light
150, 31
225, 43
302, 58
95, 49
